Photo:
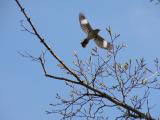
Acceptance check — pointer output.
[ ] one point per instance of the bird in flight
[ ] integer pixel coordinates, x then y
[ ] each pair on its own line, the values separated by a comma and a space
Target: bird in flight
92, 34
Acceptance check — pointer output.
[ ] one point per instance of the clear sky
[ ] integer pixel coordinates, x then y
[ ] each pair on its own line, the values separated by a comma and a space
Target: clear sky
24, 91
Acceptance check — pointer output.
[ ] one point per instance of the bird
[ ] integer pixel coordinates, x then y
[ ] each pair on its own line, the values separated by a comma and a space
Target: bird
92, 34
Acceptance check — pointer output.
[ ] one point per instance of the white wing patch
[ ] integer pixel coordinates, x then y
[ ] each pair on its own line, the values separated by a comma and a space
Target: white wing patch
84, 21
104, 44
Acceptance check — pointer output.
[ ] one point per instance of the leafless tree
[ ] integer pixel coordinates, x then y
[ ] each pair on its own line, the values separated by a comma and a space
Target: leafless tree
101, 83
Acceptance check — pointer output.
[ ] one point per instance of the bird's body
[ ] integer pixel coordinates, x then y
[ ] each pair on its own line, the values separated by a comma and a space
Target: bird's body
92, 34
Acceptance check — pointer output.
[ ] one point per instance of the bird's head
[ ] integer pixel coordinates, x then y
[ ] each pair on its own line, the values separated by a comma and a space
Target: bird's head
97, 30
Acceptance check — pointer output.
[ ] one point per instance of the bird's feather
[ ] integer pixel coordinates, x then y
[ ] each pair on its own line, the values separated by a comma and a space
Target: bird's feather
84, 42
86, 27
101, 42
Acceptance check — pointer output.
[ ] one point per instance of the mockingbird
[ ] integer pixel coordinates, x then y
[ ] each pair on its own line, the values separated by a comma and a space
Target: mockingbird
92, 34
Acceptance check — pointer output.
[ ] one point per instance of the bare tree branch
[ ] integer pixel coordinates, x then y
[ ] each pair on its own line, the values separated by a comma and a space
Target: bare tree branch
90, 91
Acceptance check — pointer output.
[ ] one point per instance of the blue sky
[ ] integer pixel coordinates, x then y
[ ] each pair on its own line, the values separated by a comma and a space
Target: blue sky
25, 92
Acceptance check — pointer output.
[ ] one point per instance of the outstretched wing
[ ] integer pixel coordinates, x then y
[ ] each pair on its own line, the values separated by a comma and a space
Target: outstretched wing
101, 42
84, 23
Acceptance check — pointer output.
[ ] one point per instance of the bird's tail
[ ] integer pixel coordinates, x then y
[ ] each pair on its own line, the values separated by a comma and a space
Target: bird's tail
84, 42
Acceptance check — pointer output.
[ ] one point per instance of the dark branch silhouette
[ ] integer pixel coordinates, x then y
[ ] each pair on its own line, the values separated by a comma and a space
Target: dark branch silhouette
101, 82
